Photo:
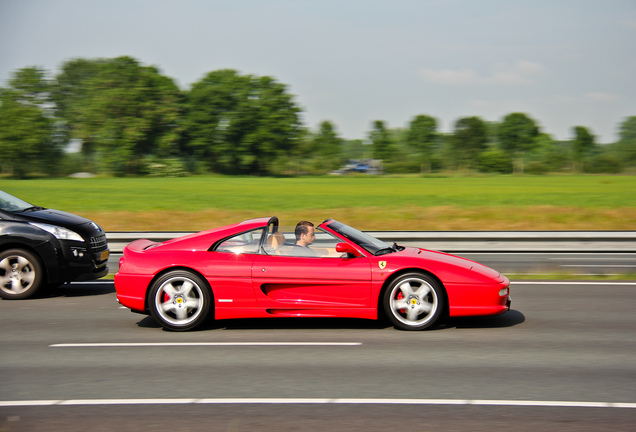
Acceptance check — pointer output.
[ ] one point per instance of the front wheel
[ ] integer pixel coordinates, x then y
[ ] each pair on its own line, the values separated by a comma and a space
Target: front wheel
21, 274
180, 300
414, 301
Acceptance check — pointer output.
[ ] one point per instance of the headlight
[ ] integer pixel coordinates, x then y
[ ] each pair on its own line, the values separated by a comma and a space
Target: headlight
59, 232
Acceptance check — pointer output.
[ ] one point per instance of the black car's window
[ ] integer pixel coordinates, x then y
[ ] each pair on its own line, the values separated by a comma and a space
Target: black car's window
12, 204
244, 243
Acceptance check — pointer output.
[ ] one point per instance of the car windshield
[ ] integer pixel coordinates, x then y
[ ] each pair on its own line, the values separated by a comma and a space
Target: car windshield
12, 204
369, 243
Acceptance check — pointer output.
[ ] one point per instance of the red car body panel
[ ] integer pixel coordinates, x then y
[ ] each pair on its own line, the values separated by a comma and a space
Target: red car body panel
252, 285
471, 288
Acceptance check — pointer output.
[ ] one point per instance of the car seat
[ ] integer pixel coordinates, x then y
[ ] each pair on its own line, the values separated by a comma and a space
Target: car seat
275, 241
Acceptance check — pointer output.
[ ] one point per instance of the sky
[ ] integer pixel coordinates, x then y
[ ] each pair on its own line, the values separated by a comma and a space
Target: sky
563, 62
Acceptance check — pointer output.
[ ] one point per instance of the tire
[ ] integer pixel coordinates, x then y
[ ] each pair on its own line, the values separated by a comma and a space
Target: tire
180, 300
414, 301
21, 274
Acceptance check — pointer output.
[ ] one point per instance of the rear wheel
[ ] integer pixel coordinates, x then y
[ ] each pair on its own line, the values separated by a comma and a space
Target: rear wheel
180, 300
414, 301
21, 274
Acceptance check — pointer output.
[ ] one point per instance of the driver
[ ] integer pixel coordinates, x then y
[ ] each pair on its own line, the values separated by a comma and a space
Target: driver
305, 236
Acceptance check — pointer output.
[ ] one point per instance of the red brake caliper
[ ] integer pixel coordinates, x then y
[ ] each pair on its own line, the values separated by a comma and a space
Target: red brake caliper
400, 296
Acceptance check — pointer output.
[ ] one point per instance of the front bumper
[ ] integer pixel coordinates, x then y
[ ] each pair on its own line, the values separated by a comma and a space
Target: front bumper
95, 274
79, 261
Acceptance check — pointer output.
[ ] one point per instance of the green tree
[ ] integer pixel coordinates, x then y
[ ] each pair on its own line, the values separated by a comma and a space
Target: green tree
121, 110
71, 93
421, 137
32, 87
327, 146
626, 145
547, 155
355, 149
241, 124
495, 161
469, 139
517, 133
28, 138
583, 143
381, 145
603, 162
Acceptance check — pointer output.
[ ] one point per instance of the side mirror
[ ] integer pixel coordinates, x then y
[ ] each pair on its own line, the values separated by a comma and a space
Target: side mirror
348, 249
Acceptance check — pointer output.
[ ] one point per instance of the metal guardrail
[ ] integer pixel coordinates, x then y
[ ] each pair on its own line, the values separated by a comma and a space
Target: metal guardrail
460, 241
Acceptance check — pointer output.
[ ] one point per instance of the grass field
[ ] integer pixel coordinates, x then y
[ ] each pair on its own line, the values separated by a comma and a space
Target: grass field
370, 203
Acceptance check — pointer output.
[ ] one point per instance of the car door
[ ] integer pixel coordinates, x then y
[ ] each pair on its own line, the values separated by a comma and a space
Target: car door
228, 268
284, 279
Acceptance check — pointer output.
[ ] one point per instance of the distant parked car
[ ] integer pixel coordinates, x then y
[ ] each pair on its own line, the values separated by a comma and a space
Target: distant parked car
46, 247
357, 166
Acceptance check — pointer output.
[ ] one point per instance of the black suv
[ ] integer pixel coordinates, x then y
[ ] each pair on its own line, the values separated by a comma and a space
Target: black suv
40, 247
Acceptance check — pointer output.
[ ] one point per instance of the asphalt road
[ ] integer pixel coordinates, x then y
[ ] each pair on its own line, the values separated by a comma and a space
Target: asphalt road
564, 358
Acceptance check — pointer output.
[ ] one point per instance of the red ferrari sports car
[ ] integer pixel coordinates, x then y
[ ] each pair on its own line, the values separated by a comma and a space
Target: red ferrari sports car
256, 269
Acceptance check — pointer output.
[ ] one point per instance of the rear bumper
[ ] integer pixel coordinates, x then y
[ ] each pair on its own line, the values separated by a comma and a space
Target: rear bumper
131, 290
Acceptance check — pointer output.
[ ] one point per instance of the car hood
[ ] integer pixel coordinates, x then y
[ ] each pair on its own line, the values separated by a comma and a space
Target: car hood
59, 218
450, 260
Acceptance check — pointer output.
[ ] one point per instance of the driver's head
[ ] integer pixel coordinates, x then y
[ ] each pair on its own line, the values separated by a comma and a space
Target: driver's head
305, 232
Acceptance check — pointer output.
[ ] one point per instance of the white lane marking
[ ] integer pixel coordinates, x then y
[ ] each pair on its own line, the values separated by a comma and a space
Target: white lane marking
294, 401
191, 344
572, 283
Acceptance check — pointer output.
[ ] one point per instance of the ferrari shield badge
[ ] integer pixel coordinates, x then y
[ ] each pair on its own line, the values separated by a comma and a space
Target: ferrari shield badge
382, 264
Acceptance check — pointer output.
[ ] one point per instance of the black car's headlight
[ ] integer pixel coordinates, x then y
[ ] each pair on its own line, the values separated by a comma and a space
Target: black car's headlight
59, 232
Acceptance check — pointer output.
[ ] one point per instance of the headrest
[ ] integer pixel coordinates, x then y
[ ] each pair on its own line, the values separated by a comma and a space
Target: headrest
276, 239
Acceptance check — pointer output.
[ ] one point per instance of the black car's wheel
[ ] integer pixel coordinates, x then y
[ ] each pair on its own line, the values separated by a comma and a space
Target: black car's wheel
21, 274
414, 301
180, 300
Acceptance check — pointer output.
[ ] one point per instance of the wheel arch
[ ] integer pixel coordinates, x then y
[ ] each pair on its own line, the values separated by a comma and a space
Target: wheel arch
388, 281
26, 247
177, 268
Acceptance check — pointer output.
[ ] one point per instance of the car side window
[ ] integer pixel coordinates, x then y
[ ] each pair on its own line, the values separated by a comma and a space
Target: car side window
282, 242
325, 244
247, 242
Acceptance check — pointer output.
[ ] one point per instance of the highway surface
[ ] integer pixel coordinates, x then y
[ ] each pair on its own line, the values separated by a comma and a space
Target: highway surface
563, 359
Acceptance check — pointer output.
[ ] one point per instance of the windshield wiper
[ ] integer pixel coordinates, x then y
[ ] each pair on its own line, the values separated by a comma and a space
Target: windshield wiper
32, 208
388, 250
